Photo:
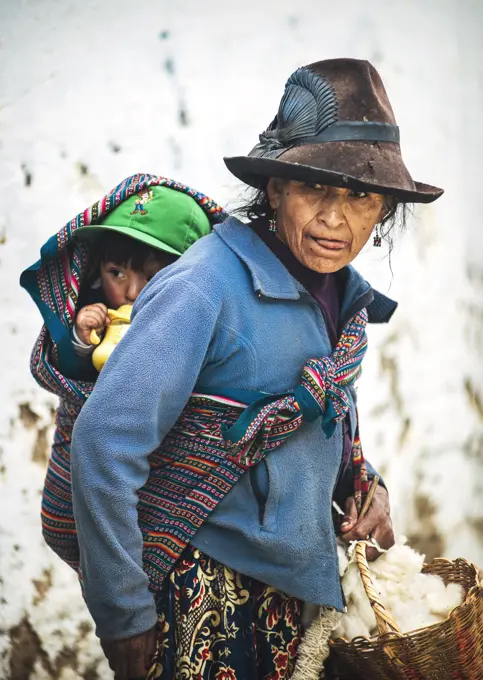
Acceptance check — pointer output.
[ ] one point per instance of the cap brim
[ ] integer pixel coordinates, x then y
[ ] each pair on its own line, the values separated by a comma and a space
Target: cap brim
94, 230
256, 171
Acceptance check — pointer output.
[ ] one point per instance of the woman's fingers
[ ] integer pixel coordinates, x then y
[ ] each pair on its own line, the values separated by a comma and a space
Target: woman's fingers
376, 524
384, 537
350, 518
130, 658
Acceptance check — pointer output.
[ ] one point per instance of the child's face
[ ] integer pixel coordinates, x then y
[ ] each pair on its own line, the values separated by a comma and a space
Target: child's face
122, 284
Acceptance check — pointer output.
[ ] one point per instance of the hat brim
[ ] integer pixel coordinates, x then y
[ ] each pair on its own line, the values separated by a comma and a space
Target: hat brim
255, 172
95, 230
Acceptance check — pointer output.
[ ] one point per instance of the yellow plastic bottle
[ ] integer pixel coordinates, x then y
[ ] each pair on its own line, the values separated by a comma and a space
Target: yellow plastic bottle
120, 320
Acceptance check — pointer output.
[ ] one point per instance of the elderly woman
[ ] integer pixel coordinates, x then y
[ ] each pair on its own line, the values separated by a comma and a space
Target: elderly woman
238, 373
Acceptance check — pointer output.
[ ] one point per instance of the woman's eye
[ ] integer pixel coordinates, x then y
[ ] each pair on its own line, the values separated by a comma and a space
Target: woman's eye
316, 186
117, 273
359, 194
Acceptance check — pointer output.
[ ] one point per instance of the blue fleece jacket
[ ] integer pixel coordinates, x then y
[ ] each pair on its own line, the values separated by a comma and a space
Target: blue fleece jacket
226, 315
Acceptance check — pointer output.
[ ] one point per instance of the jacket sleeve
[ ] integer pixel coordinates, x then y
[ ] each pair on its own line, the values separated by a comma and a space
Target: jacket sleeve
137, 399
80, 348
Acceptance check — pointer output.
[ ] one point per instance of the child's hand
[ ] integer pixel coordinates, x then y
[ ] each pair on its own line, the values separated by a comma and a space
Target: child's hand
91, 317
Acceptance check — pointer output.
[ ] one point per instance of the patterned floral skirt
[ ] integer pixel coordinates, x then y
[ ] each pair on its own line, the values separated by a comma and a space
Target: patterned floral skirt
217, 624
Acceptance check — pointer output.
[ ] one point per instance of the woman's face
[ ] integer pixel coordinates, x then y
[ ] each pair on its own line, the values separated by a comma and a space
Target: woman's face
325, 227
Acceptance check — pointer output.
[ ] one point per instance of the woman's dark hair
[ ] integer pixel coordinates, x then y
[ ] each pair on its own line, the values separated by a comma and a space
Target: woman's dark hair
111, 246
256, 207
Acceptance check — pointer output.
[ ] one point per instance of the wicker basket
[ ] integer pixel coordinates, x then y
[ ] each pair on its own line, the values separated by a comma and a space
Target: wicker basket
450, 650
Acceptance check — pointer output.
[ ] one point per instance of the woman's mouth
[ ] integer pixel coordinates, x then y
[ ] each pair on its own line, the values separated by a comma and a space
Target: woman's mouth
329, 244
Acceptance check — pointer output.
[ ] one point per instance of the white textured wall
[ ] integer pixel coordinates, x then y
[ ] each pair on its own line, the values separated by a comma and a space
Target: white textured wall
93, 91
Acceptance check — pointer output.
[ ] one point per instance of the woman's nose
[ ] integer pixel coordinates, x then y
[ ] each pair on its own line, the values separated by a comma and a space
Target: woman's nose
331, 212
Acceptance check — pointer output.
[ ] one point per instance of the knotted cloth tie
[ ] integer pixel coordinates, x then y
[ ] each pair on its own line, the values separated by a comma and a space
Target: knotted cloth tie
267, 422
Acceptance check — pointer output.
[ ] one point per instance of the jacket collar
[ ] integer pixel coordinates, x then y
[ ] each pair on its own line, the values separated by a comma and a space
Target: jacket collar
271, 279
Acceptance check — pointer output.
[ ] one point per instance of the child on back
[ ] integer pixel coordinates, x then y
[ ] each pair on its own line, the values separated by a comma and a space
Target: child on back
100, 260
123, 266
127, 249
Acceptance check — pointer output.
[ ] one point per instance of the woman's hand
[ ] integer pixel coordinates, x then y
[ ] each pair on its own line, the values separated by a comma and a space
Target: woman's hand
89, 318
376, 524
130, 659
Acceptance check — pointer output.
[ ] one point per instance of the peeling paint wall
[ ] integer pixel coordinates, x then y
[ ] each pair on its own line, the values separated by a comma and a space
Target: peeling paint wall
91, 92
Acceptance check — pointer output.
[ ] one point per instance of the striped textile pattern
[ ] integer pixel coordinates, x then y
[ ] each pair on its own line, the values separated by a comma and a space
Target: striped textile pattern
215, 439
63, 263
198, 463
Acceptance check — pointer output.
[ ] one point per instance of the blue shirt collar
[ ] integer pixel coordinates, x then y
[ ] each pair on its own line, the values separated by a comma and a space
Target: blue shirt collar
271, 279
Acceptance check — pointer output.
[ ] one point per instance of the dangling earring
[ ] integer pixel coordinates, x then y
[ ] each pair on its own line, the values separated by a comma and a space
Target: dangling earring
377, 237
272, 222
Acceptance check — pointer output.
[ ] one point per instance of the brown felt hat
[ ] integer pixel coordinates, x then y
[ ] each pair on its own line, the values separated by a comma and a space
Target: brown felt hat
334, 126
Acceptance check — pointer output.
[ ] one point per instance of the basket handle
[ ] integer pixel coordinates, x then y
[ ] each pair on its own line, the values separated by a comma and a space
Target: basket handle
384, 620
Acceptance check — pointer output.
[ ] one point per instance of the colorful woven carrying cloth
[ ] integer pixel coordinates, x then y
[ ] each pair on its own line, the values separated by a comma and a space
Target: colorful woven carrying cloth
54, 282
216, 438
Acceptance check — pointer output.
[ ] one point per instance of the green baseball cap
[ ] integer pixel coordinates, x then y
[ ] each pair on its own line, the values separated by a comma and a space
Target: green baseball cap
161, 217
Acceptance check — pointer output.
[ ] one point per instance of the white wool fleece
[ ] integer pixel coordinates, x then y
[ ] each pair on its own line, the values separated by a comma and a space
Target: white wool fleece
415, 600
